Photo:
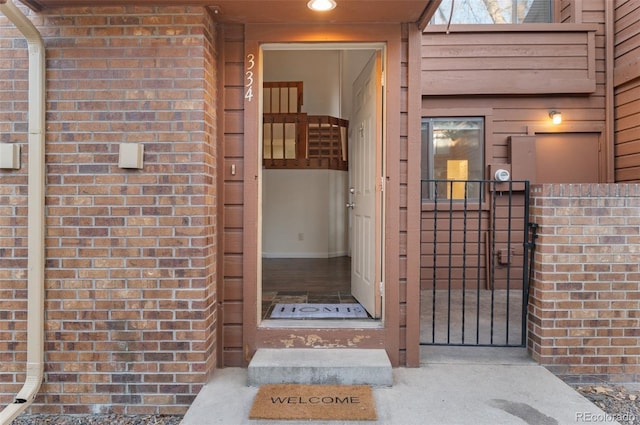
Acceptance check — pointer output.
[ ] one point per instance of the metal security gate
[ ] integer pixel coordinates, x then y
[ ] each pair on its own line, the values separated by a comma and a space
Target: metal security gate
476, 252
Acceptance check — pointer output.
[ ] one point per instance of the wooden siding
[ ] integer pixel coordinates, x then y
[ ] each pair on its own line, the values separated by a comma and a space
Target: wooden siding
513, 105
509, 115
232, 145
464, 248
408, 354
509, 59
627, 91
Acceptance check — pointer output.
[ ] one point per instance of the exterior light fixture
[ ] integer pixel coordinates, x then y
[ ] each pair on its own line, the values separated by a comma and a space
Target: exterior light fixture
556, 117
321, 5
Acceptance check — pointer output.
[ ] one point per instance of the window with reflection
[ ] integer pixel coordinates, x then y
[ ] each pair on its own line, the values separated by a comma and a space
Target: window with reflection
494, 12
452, 157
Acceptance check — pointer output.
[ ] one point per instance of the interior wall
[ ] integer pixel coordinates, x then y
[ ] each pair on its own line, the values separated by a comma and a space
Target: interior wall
319, 71
305, 215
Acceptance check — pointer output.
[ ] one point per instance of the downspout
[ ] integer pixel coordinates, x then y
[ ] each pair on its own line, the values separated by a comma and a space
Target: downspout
610, 87
35, 218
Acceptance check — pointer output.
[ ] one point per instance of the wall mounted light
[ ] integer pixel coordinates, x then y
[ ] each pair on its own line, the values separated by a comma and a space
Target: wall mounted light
321, 5
556, 117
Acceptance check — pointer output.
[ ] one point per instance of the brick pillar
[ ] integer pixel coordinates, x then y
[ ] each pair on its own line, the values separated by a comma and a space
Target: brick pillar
584, 305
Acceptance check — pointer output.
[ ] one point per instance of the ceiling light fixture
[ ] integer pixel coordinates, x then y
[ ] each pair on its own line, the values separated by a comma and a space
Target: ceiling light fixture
321, 5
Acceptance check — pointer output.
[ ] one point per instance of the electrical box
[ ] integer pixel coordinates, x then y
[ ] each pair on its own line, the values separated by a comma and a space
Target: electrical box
9, 156
505, 255
131, 155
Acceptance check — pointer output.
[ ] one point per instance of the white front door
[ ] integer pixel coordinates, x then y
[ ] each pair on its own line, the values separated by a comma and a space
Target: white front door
366, 168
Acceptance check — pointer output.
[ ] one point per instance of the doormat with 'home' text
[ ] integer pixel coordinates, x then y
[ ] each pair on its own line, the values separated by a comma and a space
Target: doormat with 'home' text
318, 311
314, 402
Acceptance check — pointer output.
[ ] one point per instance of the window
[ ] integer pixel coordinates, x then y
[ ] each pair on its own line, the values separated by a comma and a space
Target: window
452, 149
494, 12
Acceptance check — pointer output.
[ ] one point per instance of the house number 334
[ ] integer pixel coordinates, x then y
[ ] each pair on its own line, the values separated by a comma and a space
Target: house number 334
251, 63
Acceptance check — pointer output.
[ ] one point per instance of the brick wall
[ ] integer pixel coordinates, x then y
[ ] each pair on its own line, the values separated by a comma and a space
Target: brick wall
584, 308
131, 254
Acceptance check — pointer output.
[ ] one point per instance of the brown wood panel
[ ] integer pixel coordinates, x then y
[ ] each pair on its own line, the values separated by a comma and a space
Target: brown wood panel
233, 313
536, 108
232, 216
234, 121
233, 145
233, 193
233, 241
517, 63
233, 357
626, 39
506, 82
629, 161
625, 8
627, 110
220, 157
628, 174
626, 75
628, 93
629, 121
234, 50
233, 289
504, 51
233, 210
410, 226
232, 266
234, 98
550, 59
234, 76
593, 16
232, 337
500, 37
628, 142
556, 151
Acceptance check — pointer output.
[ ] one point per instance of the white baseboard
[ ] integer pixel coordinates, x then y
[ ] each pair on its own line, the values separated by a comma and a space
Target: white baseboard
305, 254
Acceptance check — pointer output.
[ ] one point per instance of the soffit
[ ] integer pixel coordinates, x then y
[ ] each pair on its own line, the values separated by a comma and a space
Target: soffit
276, 11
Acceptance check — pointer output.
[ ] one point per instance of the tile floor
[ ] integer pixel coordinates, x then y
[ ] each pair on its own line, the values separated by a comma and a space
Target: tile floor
305, 280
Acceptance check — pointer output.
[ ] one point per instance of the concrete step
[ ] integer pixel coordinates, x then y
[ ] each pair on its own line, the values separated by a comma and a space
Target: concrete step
320, 366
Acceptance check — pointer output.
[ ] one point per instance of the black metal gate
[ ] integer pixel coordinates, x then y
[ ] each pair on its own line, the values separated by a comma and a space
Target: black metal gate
476, 252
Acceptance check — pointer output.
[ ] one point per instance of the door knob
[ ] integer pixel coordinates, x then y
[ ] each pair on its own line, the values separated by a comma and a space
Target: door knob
351, 205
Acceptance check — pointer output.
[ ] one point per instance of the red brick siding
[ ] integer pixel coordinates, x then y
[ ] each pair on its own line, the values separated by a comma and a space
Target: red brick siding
585, 300
131, 254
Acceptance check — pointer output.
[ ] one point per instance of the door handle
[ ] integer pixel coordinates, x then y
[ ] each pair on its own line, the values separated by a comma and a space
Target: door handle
351, 205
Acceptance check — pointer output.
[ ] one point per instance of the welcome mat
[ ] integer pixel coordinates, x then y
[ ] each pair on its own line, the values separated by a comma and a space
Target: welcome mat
314, 402
318, 311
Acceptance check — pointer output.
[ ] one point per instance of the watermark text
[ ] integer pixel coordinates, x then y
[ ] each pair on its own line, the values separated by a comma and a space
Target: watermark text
590, 417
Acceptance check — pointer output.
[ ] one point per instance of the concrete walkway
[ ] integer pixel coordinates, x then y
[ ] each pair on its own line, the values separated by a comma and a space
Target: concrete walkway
455, 385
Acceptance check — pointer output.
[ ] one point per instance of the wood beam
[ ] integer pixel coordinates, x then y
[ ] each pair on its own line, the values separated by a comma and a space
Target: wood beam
428, 13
